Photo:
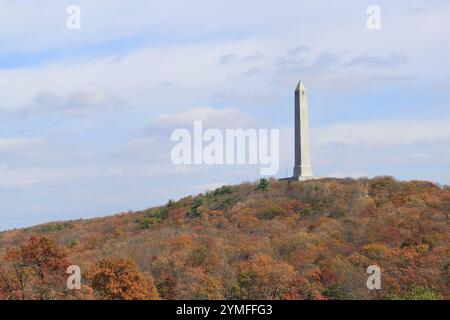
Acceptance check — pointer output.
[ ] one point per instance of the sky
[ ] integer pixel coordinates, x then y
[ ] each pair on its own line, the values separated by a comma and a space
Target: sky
86, 115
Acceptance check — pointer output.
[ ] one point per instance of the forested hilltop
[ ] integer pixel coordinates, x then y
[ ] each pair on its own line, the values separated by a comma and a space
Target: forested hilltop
265, 240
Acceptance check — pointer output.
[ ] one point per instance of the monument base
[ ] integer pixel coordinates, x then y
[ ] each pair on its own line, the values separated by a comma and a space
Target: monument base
301, 178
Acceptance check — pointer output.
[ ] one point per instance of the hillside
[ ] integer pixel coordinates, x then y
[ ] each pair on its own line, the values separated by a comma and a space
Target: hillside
264, 240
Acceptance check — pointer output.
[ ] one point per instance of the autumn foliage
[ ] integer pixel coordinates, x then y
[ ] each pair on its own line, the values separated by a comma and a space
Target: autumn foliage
120, 279
265, 240
35, 270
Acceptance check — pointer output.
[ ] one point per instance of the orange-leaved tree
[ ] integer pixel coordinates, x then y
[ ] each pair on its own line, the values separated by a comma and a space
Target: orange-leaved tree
120, 279
35, 270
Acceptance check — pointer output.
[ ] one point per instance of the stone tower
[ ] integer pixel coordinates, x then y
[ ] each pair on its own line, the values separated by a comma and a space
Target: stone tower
302, 168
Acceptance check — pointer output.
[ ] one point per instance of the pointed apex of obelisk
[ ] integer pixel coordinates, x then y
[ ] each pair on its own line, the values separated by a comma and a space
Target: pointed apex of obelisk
300, 86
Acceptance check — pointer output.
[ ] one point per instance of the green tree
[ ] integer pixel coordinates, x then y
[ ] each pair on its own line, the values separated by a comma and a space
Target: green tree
263, 184
193, 210
422, 293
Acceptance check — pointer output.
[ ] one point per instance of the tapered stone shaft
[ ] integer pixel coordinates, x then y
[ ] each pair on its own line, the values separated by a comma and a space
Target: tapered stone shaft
302, 168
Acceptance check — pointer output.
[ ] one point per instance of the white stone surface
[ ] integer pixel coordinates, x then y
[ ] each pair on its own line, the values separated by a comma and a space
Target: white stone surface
302, 168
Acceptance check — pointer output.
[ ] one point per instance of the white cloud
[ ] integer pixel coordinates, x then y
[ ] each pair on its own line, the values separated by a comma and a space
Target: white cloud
211, 117
383, 133
33, 176
84, 101
17, 144
392, 60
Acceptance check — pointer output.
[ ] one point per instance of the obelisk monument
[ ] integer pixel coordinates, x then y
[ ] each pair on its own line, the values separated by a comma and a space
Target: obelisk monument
302, 168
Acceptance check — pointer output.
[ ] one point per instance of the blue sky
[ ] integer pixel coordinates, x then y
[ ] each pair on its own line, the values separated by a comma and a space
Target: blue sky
86, 115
